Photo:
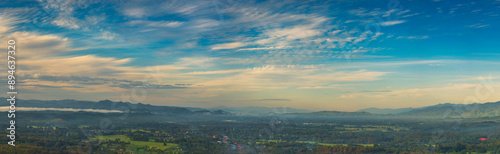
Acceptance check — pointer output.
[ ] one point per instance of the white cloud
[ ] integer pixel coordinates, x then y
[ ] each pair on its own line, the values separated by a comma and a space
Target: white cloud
135, 12
65, 12
204, 24
66, 17
156, 23
42, 55
304, 32
36, 45
265, 48
403, 12
61, 109
6, 23
186, 9
215, 72
297, 32
106, 35
335, 32
360, 12
232, 45
478, 25
196, 61
67, 22
360, 75
413, 37
479, 78
390, 23
376, 35
322, 87
409, 15
412, 93
290, 76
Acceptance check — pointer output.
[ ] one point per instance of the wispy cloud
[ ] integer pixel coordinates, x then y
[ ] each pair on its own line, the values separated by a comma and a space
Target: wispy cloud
135, 12
479, 78
271, 99
413, 37
106, 35
478, 25
407, 93
155, 23
232, 45
63, 109
301, 77
391, 23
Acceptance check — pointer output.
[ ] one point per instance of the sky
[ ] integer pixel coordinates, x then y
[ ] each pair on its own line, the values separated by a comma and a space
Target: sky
341, 55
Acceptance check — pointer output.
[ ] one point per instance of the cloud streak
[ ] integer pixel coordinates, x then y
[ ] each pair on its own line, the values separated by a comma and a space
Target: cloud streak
391, 23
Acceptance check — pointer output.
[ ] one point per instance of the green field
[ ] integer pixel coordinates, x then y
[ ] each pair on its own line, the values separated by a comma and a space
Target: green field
137, 144
331, 144
311, 142
54, 128
83, 126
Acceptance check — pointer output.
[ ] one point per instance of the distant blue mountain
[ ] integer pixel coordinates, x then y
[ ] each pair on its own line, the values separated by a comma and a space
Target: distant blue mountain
255, 110
448, 110
374, 110
110, 105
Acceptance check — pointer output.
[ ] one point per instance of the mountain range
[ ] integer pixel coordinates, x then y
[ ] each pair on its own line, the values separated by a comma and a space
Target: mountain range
446, 110
374, 110
110, 105
256, 110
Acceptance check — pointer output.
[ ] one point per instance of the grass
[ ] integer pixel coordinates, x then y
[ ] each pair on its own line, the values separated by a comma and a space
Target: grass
361, 128
113, 137
331, 144
83, 126
140, 130
43, 127
137, 144
311, 142
325, 144
158, 145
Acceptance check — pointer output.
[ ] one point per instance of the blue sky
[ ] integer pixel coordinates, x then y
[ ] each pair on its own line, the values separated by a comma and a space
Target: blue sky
318, 55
